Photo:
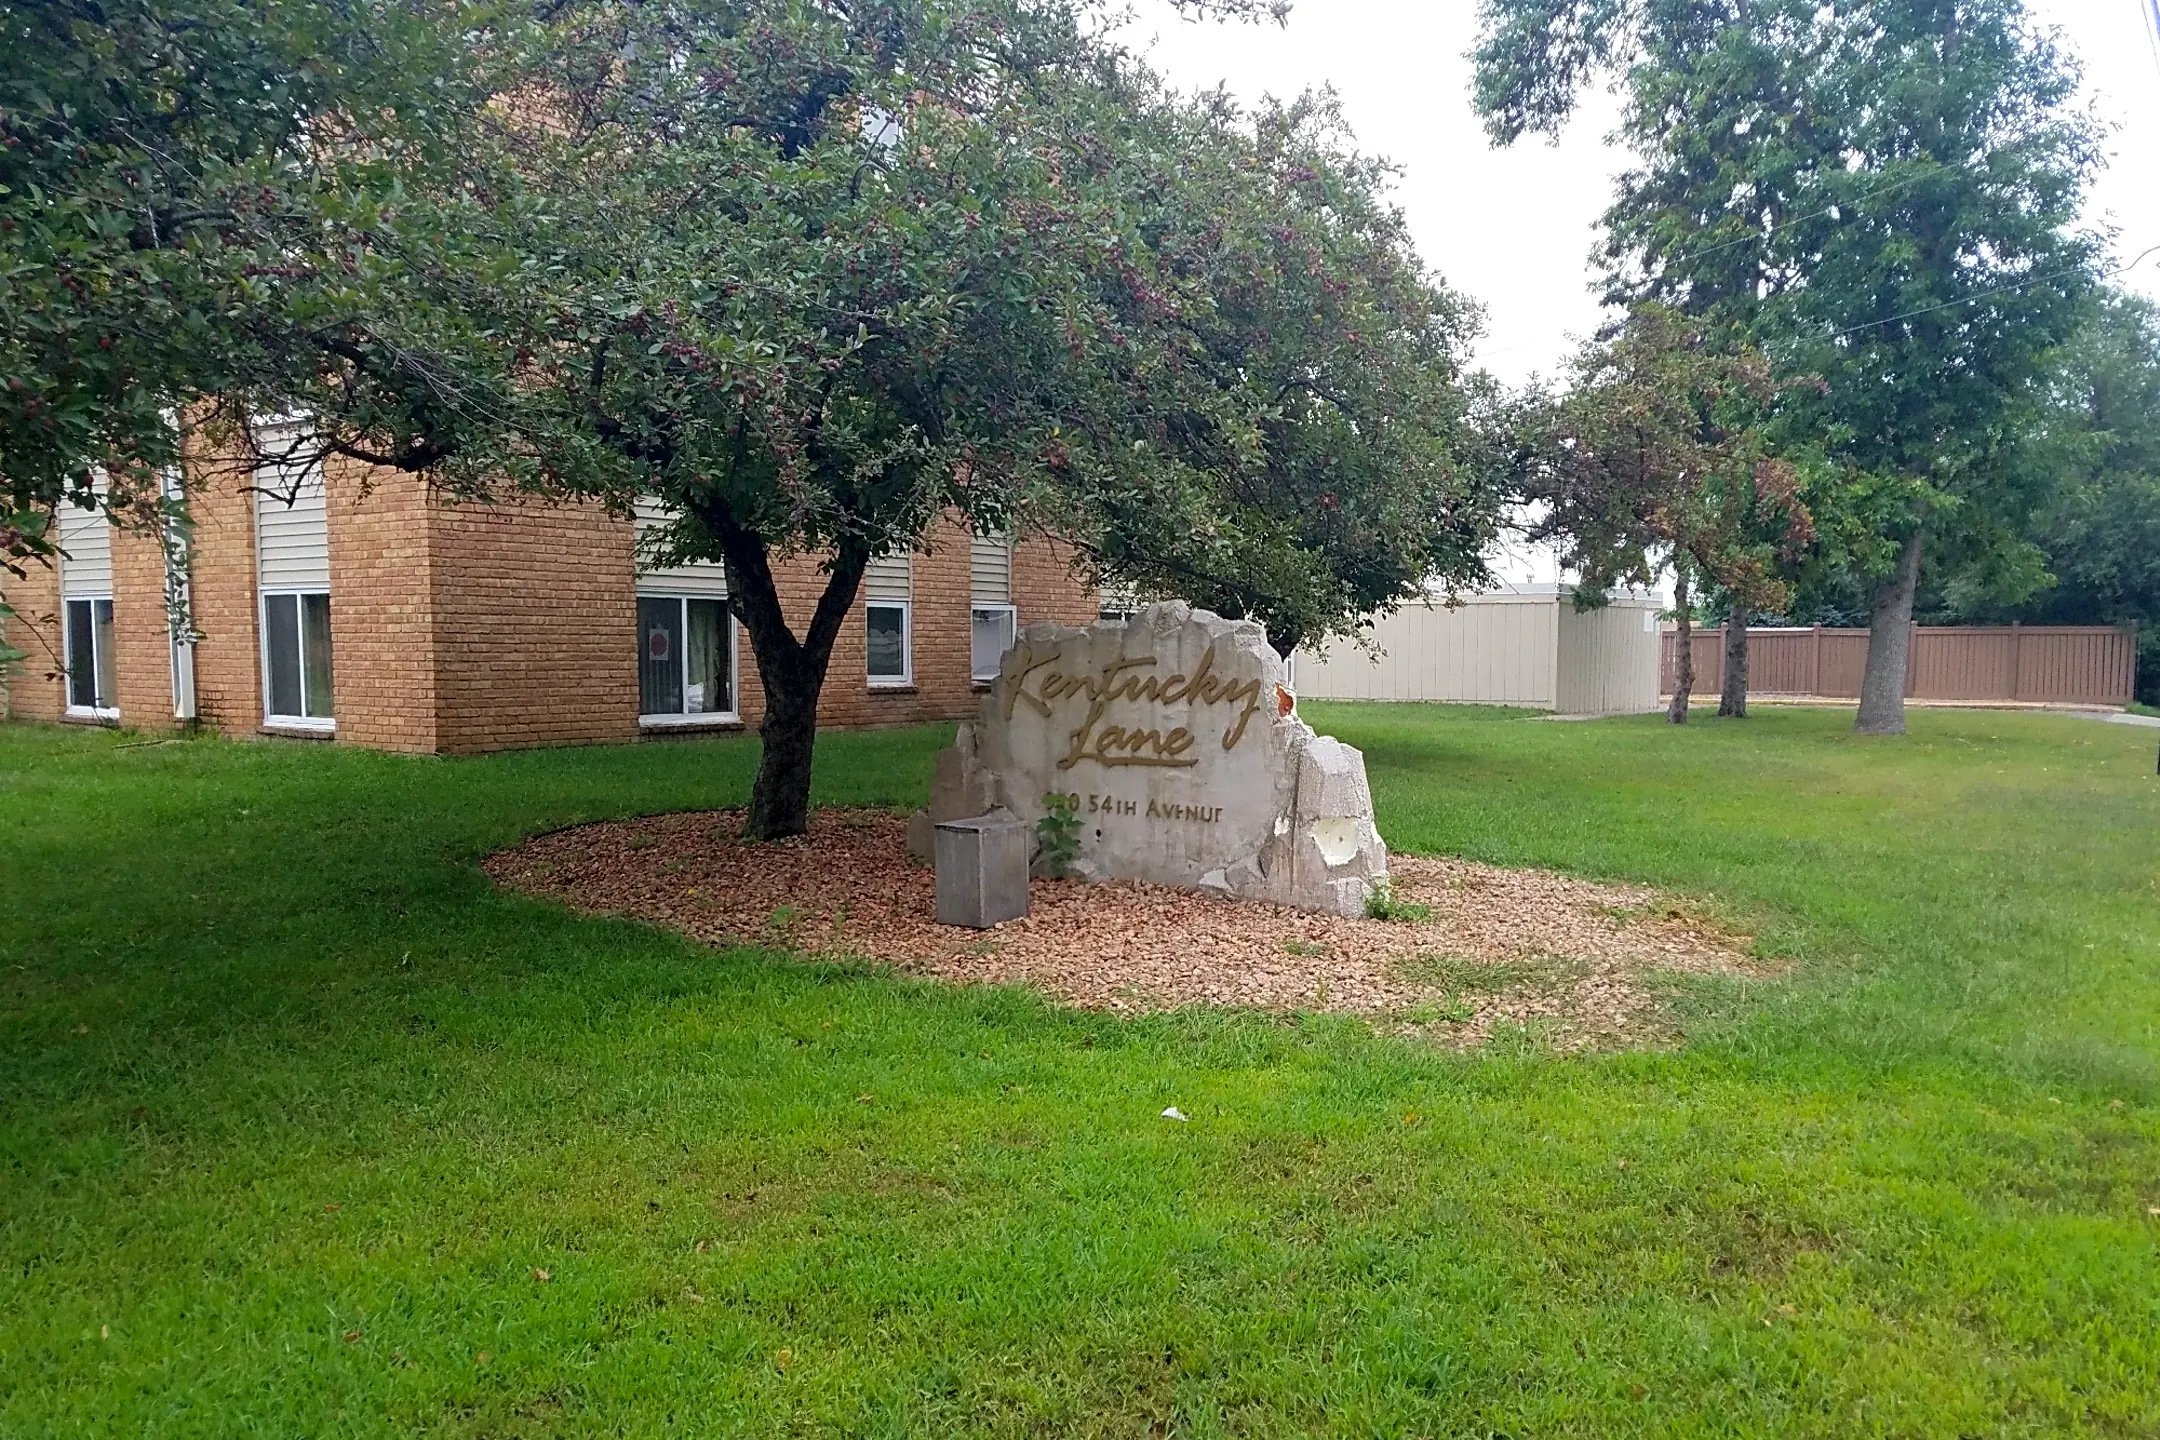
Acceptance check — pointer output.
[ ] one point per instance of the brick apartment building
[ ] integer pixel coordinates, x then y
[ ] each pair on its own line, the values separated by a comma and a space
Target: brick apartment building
370, 612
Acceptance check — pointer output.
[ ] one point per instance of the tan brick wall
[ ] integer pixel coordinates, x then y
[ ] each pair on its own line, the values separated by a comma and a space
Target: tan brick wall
221, 570
34, 689
142, 671
467, 628
384, 662
228, 680
1047, 587
937, 639
1044, 588
142, 655
535, 626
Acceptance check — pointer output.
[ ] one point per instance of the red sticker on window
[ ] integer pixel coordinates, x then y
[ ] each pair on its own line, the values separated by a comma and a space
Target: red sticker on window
656, 644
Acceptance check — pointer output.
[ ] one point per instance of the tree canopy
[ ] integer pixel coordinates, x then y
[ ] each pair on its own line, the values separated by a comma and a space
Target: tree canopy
809, 275
1657, 454
182, 184
1881, 195
2096, 441
1313, 391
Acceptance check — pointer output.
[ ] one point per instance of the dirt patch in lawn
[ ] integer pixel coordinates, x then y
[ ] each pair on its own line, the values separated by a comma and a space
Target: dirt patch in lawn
1577, 961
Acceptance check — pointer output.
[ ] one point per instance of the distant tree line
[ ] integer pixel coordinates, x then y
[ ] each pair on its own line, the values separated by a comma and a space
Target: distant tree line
1874, 202
2091, 551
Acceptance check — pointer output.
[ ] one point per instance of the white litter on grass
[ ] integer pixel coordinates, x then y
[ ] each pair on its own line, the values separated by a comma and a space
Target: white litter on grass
1173, 1113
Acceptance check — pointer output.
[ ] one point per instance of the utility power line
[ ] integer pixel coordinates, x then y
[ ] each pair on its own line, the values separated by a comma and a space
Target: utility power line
1984, 294
1803, 219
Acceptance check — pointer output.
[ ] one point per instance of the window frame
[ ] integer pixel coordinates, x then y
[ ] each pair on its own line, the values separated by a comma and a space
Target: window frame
1012, 615
73, 711
906, 678
1117, 603
317, 724
683, 719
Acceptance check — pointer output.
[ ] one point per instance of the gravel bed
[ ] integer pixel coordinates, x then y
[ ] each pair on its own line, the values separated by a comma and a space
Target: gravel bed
1577, 961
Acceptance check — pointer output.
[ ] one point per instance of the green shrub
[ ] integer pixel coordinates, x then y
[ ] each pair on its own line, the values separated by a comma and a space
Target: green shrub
1058, 832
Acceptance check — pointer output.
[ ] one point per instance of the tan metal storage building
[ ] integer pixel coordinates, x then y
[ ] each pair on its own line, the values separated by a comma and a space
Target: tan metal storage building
1526, 645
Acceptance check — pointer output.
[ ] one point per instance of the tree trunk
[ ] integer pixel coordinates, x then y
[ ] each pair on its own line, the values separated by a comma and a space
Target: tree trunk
1732, 700
791, 670
1684, 680
780, 796
1889, 646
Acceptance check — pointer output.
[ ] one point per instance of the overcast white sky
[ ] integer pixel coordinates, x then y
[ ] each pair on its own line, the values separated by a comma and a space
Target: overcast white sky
1514, 228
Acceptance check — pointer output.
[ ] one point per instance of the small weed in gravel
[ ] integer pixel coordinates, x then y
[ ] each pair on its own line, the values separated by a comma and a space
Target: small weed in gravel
1452, 1011
1383, 904
1540, 973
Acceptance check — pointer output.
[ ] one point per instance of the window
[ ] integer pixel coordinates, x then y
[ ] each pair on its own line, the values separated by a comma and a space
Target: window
86, 592
686, 638
292, 575
296, 659
91, 683
888, 589
888, 643
993, 630
686, 659
990, 593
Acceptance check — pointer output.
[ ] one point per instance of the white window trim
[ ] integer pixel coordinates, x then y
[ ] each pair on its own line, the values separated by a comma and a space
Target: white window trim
730, 716
973, 609
67, 651
906, 677
314, 724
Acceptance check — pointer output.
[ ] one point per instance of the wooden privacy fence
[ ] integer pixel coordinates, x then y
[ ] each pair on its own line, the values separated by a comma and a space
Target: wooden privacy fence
2041, 664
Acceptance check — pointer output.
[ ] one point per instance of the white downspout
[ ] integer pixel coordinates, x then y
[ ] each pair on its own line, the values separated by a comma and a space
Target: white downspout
179, 607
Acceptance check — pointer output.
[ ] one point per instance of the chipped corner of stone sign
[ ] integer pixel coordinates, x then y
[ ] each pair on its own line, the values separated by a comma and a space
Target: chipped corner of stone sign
1174, 737
961, 788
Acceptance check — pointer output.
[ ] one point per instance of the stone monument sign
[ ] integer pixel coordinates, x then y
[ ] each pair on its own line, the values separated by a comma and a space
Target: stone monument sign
1179, 747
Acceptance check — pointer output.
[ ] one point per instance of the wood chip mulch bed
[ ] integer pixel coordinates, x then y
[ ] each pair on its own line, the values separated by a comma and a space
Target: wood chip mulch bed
1577, 961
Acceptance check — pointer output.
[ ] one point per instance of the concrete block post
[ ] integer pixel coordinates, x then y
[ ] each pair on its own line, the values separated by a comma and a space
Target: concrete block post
982, 870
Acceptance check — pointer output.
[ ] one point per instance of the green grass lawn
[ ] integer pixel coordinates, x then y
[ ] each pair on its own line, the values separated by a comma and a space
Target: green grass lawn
293, 1110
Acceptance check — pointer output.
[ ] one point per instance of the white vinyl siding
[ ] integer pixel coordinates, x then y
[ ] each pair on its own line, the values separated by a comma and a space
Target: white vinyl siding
990, 570
1118, 601
86, 550
891, 577
707, 578
292, 523
991, 617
